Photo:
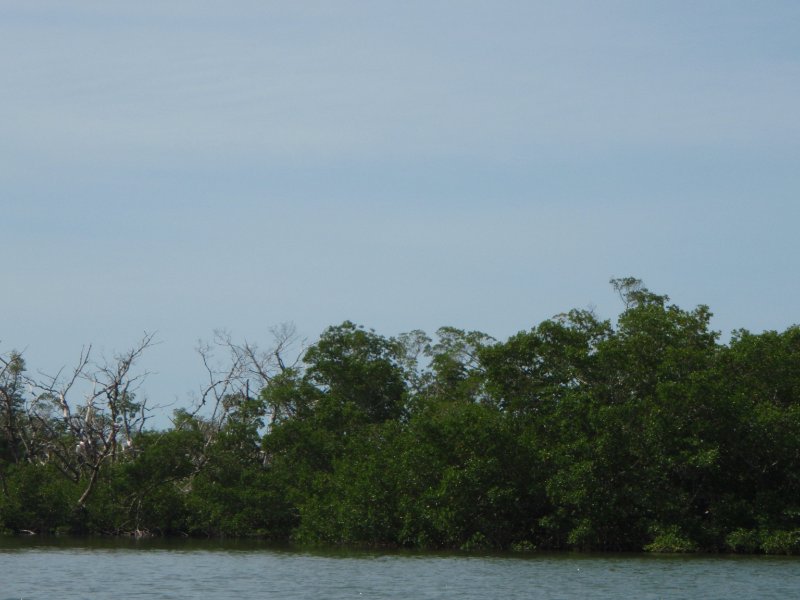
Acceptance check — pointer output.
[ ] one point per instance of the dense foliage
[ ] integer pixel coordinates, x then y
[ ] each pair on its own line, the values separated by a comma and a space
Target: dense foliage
579, 433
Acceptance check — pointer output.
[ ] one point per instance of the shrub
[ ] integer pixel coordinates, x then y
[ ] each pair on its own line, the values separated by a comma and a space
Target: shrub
671, 540
781, 542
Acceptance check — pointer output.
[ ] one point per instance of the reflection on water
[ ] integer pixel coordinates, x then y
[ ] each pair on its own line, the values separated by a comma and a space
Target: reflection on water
108, 568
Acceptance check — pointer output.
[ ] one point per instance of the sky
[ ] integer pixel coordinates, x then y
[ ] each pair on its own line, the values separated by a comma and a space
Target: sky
181, 166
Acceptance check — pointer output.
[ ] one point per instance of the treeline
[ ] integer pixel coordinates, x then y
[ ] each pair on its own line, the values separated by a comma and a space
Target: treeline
580, 433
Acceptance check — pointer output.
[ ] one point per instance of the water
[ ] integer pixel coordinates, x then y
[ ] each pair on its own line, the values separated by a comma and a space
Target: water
69, 569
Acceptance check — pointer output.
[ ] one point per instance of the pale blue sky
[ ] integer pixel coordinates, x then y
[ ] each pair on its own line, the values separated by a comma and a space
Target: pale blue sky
184, 166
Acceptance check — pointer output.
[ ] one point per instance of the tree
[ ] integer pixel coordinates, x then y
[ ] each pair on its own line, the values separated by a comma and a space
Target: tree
359, 370
79, 438
534, 370
455, 370
12, 435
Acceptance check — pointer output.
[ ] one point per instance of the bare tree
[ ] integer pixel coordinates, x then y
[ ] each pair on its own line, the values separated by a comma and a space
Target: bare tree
236, 374
244, 371
80, 436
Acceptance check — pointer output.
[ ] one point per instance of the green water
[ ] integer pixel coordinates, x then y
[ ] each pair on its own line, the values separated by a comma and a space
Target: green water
71, 569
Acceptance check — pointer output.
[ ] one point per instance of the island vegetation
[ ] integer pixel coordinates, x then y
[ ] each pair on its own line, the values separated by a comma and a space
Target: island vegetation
580, 433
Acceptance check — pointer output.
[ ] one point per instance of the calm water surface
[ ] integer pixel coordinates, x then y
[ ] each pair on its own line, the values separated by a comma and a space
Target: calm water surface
67, 569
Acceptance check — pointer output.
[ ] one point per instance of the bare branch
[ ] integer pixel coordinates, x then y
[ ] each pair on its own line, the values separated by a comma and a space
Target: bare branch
244, 372
78, 436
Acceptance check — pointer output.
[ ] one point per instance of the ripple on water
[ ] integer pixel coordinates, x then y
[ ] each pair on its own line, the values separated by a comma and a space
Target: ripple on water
69, 572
